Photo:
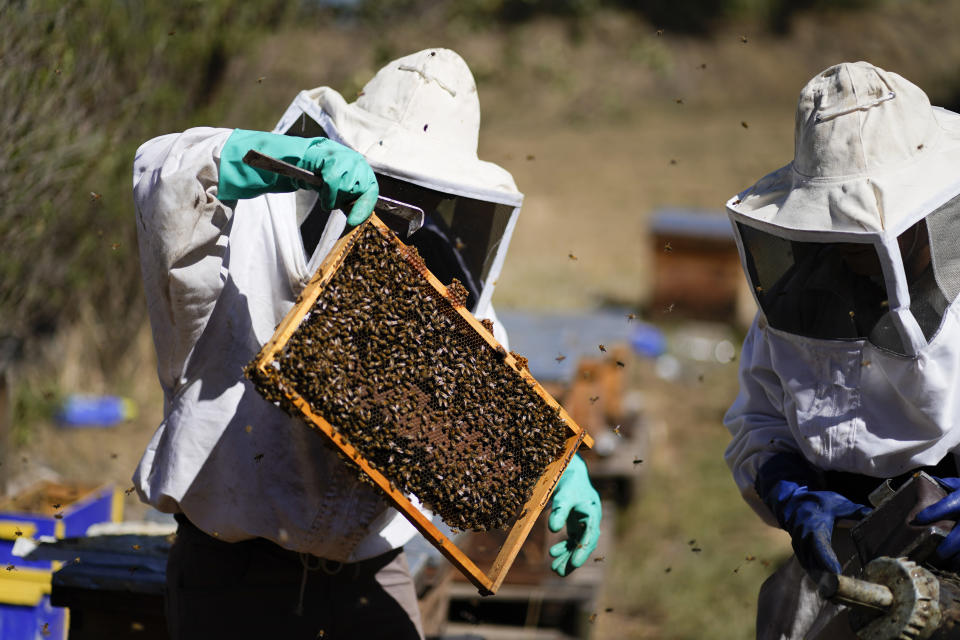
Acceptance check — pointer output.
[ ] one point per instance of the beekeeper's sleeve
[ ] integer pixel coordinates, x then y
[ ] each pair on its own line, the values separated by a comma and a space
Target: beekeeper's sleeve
182, 230
756, 420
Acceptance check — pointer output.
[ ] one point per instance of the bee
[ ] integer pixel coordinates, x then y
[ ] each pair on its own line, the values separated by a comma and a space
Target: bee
115, 245
114, 455
696, 549
621, 363
679, 100
57, 71
258, 457
248, 428
261, 79
594, 399
599, 559
631, 317
560, 358
17, 532
670, 308
530, 156
130, 490
11, 567
743, 123
703, 65
668, 569
602, 348
673, 161
638, 461
572, 256
659, 32
743, 39
592, 618
45, 629
95, 197
170, 33
459, 244
135, 547
616, 430
920, 146
58, 516
321, 633
609, 610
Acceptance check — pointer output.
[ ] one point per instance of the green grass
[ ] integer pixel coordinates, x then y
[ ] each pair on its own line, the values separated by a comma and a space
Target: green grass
659, 585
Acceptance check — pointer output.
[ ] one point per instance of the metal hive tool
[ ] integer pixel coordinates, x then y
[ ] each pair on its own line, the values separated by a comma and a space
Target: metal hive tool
414, 391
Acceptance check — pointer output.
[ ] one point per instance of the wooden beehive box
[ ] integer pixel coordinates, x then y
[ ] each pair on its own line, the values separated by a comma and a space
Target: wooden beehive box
387, 363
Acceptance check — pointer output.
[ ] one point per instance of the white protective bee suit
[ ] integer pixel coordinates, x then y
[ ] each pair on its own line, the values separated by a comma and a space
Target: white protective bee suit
853, 253
220, 275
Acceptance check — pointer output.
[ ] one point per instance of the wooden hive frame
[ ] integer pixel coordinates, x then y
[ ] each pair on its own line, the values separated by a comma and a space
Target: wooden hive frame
487, 583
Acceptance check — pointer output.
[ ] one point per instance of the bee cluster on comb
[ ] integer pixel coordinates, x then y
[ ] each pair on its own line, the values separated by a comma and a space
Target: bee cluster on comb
399, 374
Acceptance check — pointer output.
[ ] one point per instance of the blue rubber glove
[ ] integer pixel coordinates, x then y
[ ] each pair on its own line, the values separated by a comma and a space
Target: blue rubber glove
346, 175
947, 508
576, 504
784, 484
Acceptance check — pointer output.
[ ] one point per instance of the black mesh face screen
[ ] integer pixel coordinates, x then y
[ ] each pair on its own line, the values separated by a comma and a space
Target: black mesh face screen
404, 378
817, 290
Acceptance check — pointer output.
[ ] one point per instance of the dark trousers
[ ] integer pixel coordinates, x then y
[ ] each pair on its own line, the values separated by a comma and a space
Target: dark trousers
252, 589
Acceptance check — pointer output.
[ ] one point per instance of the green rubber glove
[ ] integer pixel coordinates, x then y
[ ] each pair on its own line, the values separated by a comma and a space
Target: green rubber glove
346, 175
577, 504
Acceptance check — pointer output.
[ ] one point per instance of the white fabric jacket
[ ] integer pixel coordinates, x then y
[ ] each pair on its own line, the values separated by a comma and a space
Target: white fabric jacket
218, 281
845, 405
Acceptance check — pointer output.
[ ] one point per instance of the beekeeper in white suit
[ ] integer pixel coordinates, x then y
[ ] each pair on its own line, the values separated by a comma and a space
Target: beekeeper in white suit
851, 370
277, 537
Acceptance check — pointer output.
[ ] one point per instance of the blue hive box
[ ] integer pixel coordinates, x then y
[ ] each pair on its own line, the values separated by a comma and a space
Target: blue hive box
51, 510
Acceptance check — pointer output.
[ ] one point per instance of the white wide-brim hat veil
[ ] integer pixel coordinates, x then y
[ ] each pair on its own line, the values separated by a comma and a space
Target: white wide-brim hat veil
418, 119
871, 156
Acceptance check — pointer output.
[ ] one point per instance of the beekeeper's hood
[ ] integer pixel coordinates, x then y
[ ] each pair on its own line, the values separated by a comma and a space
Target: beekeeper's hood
859, 237
417, 122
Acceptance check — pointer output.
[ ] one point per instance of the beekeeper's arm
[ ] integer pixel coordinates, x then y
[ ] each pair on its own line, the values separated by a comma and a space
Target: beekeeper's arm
184, 187
774, 477
576, 506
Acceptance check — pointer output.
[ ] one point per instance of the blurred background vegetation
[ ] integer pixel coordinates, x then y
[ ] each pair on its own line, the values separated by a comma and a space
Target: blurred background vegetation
604, 110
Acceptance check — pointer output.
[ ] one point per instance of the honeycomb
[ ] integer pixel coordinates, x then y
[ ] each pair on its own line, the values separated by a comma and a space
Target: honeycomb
399, 374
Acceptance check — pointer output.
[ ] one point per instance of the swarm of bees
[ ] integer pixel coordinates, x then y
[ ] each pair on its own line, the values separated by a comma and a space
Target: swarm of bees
408, 382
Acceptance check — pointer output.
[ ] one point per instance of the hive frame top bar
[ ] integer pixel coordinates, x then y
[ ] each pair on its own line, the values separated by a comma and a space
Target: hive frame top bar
487, 583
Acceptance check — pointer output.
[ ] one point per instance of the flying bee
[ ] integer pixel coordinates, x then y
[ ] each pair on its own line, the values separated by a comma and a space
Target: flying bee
560, 358
616, 430
743, 123
592, 618
58, 516
602, 348
594, 399
667, 247
572, 256
135, 547
679, 100
743, 39
659, 32
637, 460
261, 79
631, 317
95, 197
258, 457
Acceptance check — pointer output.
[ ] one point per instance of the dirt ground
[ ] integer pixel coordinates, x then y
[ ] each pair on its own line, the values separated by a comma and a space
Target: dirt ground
599, 132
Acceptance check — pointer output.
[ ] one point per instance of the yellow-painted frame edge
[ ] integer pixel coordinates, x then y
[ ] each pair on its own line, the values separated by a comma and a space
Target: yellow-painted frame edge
24, 586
